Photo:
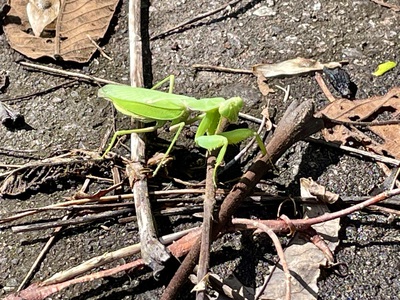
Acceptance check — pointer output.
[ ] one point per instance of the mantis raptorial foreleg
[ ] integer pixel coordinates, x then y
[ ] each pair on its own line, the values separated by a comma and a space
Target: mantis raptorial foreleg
171, 145
125, 132
223, 139
171, 79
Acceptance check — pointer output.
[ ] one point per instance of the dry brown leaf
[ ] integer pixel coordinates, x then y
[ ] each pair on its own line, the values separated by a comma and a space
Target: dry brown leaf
304, 258
229, 288
319, 191
366, 110
295, 66
69, 41
262, 85
41, 13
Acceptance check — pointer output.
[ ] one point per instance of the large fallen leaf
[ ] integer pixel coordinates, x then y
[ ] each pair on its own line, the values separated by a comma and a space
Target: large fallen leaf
77, 19
374, 109
304, 258
295, 66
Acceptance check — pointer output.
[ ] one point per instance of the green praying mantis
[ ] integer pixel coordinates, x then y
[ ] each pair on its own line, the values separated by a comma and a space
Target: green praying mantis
149, 105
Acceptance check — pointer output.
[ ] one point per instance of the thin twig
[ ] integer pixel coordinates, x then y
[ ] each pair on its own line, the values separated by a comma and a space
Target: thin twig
108, 257
79, 220
6, 166
250, 118
153, 252
197, 18
98, 47
286, 91
384, 210
67, 73
376, 157
361, 123
220, 69
101, 179
19, 153
209, 202
29, 96
278, 247
53, 161
34, 292
41, 255
388, 5
18, 150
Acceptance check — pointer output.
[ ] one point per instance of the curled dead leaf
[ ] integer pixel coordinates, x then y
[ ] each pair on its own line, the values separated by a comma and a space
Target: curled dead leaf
383, 138
304, 259
262, 85
317, 190
295, 66
42, 13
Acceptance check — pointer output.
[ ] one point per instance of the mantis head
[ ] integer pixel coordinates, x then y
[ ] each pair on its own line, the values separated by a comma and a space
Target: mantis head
230, 108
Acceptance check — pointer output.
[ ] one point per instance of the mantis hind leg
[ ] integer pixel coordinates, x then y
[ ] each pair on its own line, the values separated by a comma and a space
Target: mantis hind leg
179, 127
170, 78
171, 145
125, 132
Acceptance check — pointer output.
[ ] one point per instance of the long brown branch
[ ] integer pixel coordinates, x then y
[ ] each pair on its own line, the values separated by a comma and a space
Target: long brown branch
153, 252
208, 218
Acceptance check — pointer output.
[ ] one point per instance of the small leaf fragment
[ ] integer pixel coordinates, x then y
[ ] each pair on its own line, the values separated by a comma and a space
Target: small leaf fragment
41, 13
383, 68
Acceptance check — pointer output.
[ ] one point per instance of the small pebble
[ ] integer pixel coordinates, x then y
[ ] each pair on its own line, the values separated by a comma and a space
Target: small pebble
74, 94
316, 6
264, 11
57, 100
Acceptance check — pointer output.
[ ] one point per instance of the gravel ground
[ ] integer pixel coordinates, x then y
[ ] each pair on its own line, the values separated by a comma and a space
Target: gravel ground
361, 32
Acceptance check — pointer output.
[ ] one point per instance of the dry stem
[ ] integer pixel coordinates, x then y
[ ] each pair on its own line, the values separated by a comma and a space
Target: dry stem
278, 247
153, 252
206, 240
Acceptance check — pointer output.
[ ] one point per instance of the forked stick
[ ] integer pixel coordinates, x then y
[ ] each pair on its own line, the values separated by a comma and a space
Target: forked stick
297, 123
